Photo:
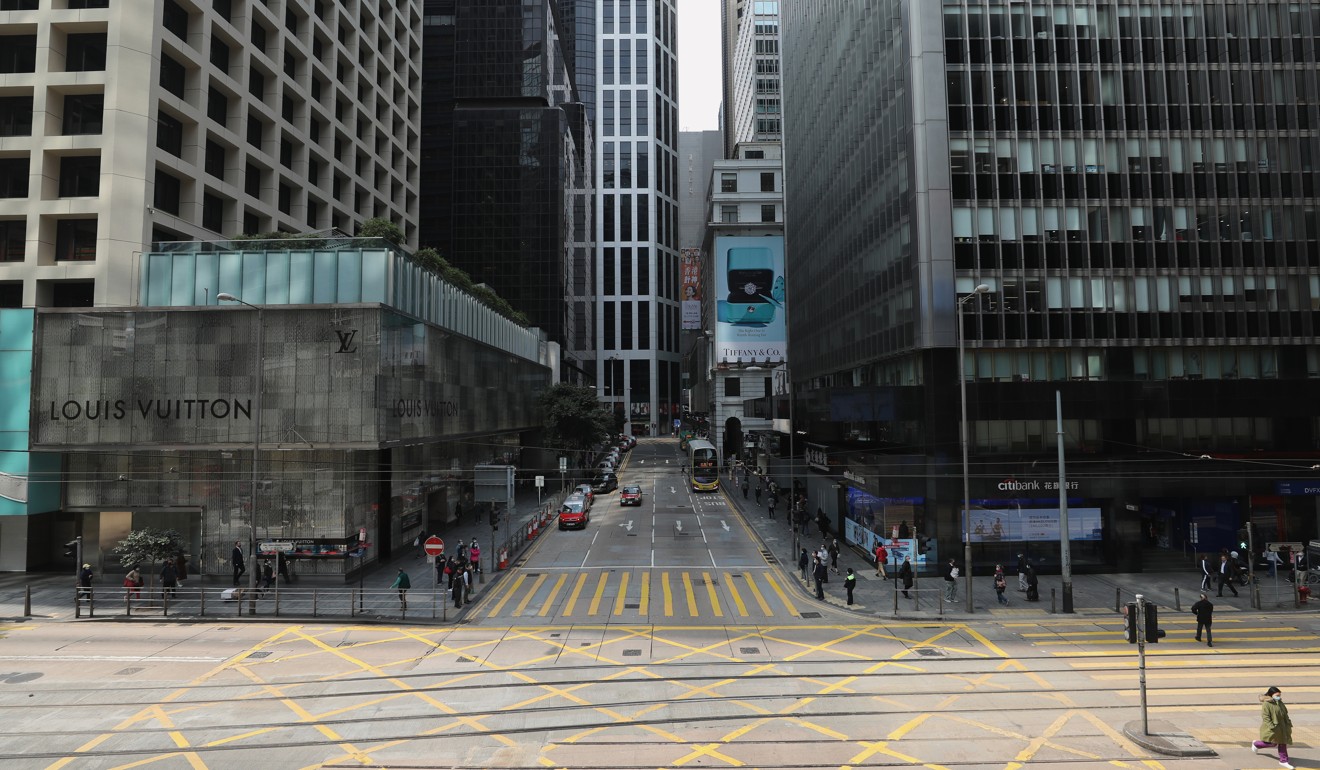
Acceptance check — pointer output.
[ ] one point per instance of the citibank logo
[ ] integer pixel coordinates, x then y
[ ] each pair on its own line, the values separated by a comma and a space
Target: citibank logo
1013, 485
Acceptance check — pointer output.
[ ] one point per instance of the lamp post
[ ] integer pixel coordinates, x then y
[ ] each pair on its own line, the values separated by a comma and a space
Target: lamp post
259, 383
962, 431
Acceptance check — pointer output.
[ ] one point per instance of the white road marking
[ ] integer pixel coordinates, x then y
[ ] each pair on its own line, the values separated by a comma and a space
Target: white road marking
724, 524
627, 525
133, 658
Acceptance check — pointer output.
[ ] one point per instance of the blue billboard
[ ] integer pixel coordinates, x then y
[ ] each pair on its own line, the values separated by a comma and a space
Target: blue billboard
749, 299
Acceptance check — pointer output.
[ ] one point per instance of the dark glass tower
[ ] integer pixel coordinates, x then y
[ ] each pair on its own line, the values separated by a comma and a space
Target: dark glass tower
1134, 182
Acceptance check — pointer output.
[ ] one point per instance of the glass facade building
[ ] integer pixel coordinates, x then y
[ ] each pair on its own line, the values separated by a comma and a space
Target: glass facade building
1133, 181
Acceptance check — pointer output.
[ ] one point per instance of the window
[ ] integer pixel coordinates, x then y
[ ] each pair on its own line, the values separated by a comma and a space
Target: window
768, 182
224, 9
13, 177
82, 113
215, 159
169, 134
728, 181
314, 131
258, 36
254, 131
18, 53
75, 240
80, 176
767, 212
169, 190
173, 76
257, 84
85, 4
252, 181
15, 116
217, 106
728, 214
85, 52
219, 54
213, 210
732, 386
286, 153
286, 198
13, 240
251, 224
19, 5
175, 19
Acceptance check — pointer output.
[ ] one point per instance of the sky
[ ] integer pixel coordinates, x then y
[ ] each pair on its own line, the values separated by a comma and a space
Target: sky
699, 80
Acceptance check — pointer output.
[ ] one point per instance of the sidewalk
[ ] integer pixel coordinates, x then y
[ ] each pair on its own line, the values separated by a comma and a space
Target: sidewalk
1092, 594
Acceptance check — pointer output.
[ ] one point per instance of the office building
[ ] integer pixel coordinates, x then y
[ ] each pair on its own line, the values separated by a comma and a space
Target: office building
638, 319
129, 123
506, 162
1133, 183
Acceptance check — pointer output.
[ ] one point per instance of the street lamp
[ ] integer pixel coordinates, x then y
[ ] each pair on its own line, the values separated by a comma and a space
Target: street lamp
259, 384
962, 431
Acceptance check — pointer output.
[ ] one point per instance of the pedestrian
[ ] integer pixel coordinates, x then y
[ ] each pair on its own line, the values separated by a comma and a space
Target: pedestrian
821, 575
881, 555
85, 581
1022, 573
1273, 558
822, 523
903, 531
905, 574
803, 563
456, 589
773, 502
1204, 611
439, 570
745, 485
1001, 584
474, 554
283, 562
417, 543
1275, 726
823, 555
133, 582
1207, 573
950, 574
1033, 585
169, 578
266, 576
181, 568
834, 555
469, 583
236, 560
758, 491
1226, 575
849, 583
402, 584
458, 512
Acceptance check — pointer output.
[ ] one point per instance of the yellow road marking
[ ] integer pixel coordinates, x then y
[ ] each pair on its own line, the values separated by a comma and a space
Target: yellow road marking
600, 591
522, 605
623, 594
710, 590
507, 596
691, 597
737, 597
550, 602
644, 605
573, 597
783, 597
669, 596
756, 592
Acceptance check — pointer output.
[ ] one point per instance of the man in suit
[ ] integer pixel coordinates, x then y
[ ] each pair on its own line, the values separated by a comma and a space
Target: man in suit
236, 559
1204, 611
1226, 575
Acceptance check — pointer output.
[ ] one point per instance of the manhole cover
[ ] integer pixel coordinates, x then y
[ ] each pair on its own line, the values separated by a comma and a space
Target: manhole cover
810, 614
346, 644
930, 652
584, 644
554, 636
632, 605
260, 654
466, 659
749, 650
632, 653
128, 671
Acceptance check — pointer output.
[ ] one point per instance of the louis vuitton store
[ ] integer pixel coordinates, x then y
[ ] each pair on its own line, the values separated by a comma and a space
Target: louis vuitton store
367, 422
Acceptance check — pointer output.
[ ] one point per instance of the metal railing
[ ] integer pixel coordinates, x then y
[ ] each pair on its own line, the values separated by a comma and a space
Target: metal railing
430, 602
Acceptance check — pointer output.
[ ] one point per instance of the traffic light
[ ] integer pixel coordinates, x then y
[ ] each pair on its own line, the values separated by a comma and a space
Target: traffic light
1153, 630
1130, 623
71, 549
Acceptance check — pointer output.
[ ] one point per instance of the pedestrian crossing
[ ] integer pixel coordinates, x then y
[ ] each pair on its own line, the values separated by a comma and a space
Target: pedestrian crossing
643, 595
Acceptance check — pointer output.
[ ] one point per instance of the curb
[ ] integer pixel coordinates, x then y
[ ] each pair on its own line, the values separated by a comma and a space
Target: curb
1163, 738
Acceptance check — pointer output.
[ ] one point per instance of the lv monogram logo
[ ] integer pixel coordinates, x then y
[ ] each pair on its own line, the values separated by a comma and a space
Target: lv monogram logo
346, 341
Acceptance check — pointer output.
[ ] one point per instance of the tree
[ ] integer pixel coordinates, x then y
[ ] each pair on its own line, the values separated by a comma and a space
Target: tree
379, 227
575, 420
150, 546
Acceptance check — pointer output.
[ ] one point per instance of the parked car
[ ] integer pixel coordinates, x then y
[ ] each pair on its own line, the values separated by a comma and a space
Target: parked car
575, 512
604, 466
630, 495
585, 491
605, 482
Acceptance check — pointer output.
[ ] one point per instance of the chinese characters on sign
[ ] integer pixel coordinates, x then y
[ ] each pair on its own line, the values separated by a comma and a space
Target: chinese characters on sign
691, 286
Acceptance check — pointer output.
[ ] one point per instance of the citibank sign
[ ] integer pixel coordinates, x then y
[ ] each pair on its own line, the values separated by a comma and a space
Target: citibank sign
1036, 485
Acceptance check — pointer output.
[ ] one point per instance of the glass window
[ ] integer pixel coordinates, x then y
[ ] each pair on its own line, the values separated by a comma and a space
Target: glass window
80, 176
18, 53
169, 134
82, 114
172, 76
85, 52
169, 192
75, 239
15, 115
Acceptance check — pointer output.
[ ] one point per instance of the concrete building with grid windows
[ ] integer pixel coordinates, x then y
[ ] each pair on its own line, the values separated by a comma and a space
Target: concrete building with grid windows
123, 124
1134, 183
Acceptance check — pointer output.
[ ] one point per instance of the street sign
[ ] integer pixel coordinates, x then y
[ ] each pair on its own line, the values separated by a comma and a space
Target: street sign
540, 481
434, 546
275, 547
563, 464
1276, 547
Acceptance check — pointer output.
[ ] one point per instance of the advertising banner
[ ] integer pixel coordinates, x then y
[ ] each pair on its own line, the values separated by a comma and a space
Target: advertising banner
1033, 524
749, 301
691, 285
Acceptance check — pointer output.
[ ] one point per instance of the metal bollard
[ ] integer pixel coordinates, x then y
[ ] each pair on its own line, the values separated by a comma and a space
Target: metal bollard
1177, 600
353, 605
27, 601
1118, 599
128, 603
1053, 599
202, 596
277, 600
313, 602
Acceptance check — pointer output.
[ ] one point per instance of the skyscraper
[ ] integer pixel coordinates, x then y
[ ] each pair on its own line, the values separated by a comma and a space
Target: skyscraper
200, 121
1132, 183
637, 169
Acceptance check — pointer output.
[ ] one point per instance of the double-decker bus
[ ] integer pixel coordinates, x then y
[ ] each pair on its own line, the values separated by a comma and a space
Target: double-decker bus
703, 466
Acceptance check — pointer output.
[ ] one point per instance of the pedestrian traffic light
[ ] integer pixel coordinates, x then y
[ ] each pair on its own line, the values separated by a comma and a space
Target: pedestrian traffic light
1153, 631
1130, 623
71, 549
